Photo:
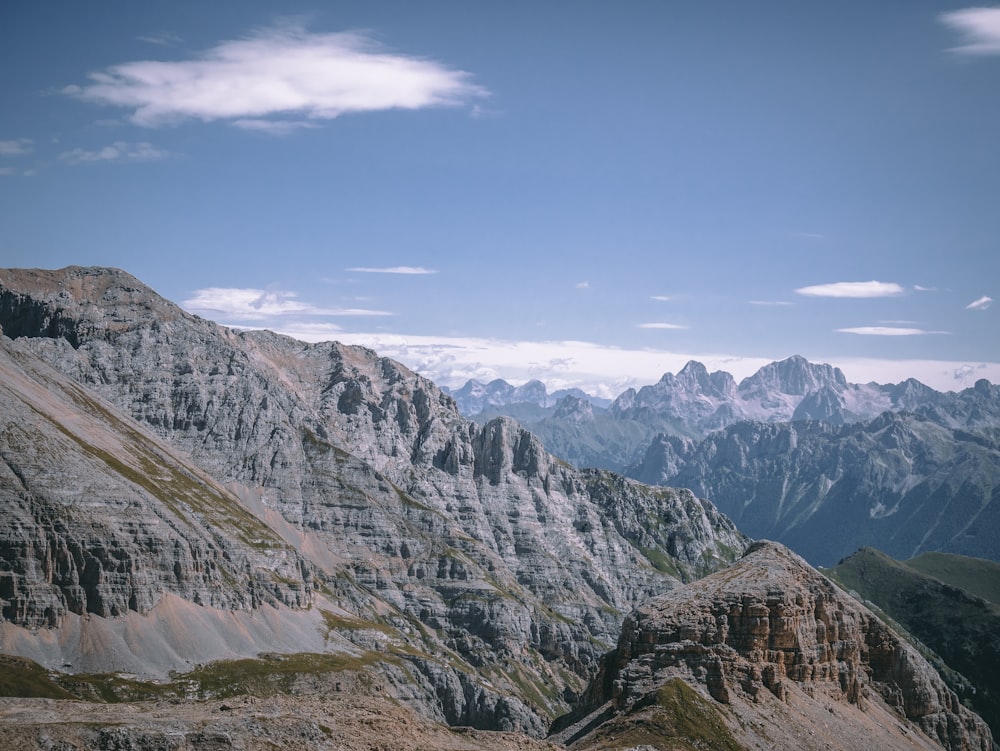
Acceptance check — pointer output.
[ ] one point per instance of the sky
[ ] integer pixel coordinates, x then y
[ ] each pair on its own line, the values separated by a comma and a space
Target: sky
588, 193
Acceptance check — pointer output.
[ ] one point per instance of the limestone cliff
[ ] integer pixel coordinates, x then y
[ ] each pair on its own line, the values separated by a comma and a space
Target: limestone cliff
778, 657
500, 572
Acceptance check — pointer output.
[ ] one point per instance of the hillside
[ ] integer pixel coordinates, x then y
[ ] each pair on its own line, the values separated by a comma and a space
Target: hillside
960, 626
495, 573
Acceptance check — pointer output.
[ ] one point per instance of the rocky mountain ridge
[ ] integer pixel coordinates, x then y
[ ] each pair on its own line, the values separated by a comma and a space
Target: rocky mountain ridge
695, 402
779, 658
495, 572
901, 482
475, 397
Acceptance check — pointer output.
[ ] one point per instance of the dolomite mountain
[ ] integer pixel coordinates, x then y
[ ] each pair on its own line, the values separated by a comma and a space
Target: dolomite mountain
796, 450
476, 398
175, 491
694, 403
780, 658
902, 482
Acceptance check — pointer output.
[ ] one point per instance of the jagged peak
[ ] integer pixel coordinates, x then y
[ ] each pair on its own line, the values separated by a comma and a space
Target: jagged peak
794, 376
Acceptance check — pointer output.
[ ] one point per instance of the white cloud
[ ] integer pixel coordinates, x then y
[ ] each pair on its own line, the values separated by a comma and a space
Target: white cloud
393, 270
852, 289
660, 298
125, 151
599, 369
583, 285
980, 28
278, 72
887, 331
921, 288
659, 326
17, 147
242, 304
770, 302
605, 370
981, 304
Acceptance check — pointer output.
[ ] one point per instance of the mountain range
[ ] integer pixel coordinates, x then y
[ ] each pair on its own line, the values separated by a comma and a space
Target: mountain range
795, 448
255, 542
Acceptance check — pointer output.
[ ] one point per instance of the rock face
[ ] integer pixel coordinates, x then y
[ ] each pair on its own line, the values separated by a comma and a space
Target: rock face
798, 663
100, 518
901, 482
455, 539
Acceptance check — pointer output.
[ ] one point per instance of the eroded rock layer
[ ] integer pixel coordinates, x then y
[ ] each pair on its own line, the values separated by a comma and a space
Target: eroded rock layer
772, 639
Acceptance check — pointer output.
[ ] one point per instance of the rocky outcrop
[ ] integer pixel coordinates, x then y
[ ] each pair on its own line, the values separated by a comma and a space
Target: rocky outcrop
772, 638
461, 540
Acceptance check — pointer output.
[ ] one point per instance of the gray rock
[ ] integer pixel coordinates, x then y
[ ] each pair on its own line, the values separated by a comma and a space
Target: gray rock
461, 540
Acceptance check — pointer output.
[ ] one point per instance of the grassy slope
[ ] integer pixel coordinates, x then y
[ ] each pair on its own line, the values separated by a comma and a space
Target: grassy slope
975, 575
267, 675
963, 628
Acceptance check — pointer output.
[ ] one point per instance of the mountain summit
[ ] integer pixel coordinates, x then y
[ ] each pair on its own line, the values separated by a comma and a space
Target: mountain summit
768, 653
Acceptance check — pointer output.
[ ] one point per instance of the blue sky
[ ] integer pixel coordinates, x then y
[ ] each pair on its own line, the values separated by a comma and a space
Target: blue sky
586, 193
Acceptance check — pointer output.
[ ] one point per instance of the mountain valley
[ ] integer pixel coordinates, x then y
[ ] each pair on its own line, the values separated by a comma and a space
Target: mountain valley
252, 542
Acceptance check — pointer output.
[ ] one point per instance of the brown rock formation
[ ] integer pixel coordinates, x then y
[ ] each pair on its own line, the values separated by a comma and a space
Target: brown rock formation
790, 661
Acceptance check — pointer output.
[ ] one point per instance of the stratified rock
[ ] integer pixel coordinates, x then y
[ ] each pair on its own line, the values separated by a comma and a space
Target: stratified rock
460, 540
796, 661
100, 518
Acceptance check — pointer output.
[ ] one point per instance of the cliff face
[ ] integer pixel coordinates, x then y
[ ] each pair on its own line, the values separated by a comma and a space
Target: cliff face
461, 540
100, 518
796, 661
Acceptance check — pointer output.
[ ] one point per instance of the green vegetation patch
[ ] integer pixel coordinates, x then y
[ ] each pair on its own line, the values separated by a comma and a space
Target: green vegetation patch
336, 622
675, 718
975, 575
267, 675
961, 627
26, 679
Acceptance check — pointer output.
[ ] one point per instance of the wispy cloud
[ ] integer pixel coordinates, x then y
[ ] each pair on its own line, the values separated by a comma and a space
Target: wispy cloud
606, 370
887, 331
660, 326
852, 289
161, 39
392, 270
273, 127
979, 27
921, 288
771, 302
661, 298
243, 304
583, 285
981, 304
17, 147
276, 74
119, 151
